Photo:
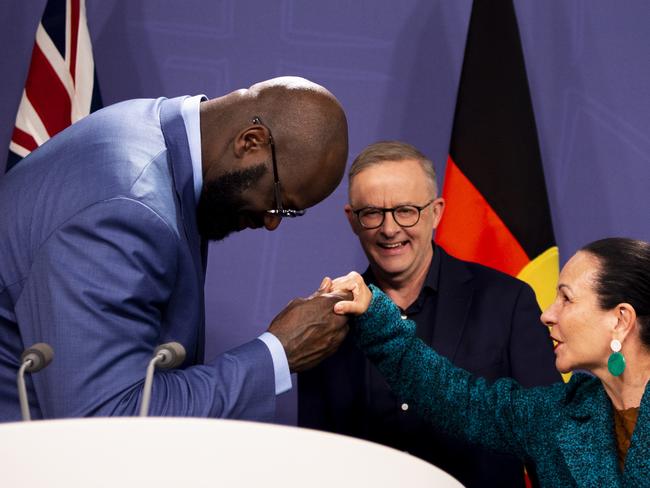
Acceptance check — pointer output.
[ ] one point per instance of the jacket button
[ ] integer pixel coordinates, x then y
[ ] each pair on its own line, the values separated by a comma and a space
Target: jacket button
405, 406
404, 317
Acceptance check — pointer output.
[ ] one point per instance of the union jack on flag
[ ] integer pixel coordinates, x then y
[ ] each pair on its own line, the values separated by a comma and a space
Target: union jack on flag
61, 85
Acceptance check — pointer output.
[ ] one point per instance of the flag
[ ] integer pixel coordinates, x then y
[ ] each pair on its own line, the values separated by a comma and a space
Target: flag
497, 209
61, 84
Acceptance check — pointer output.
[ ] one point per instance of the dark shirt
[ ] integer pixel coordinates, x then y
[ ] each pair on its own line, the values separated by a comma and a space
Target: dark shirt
391, 422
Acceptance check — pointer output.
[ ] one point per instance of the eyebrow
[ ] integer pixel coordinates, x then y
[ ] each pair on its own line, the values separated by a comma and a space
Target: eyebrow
397, 205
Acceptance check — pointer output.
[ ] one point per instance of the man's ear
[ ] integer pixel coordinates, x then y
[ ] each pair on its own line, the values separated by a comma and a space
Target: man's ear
251, 139
438, 209
352, 219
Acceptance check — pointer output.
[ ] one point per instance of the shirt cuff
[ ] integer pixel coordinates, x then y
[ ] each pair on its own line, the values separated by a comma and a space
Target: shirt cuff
280, 363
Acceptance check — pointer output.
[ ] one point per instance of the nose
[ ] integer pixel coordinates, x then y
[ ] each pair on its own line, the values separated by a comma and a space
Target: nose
389, 227
549, 316
272, 222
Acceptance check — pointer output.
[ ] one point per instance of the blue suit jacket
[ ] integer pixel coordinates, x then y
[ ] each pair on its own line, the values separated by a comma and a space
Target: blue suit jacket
100, 257
565, 430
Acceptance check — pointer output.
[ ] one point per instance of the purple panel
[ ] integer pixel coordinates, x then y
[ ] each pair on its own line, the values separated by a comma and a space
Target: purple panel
589, 73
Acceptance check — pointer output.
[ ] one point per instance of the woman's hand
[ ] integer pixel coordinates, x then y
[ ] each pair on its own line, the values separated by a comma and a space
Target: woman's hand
352, 282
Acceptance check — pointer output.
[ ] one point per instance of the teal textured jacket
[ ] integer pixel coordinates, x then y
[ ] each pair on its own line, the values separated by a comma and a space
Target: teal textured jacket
565, 430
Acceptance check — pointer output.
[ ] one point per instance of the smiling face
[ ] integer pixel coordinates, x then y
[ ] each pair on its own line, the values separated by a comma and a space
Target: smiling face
582, 330
396, 254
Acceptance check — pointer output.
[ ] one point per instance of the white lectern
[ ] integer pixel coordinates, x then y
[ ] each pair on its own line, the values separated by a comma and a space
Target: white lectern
181, 452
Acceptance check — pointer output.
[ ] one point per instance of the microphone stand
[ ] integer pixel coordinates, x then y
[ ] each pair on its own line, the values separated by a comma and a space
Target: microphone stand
33, 359
165, 356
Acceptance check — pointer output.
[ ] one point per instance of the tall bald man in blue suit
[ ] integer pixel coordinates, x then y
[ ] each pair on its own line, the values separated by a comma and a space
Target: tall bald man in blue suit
103, 250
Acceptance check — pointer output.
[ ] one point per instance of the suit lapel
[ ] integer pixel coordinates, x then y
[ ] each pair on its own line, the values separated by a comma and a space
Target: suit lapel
586, 437
455, 292
175, 134
173, 129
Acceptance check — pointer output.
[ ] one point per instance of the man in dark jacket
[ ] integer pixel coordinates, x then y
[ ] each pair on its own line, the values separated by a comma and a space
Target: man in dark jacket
482, 320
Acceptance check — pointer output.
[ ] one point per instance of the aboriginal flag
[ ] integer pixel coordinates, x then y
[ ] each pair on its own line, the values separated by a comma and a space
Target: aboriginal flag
497, 209
61, 85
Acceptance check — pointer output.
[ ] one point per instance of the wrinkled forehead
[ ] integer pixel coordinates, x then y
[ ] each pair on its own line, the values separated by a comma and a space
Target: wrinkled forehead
402, 179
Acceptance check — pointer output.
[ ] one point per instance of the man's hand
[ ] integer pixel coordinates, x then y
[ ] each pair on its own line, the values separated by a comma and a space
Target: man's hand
309, 330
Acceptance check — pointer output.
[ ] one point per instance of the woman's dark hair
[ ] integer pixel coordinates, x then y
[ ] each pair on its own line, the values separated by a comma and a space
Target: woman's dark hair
624, 277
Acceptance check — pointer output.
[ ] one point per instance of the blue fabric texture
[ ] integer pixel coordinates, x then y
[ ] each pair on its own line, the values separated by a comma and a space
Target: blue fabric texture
566, 430
101, 258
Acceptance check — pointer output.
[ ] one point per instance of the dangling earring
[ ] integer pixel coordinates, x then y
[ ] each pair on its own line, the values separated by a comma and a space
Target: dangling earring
616, 361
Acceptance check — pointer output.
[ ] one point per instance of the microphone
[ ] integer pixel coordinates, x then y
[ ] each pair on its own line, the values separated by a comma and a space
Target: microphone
166, 356
33, 359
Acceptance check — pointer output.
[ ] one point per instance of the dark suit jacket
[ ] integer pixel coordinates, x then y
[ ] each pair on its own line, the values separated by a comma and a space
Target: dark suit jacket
485, 322
100, 257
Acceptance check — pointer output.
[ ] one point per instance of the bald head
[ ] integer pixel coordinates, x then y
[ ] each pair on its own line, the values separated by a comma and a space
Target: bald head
308, 125
309, 132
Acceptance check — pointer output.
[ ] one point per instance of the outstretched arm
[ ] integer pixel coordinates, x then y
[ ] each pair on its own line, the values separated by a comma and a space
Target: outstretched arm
452, 399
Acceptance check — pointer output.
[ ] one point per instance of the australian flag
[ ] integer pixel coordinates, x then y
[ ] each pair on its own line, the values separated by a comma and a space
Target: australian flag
61, 85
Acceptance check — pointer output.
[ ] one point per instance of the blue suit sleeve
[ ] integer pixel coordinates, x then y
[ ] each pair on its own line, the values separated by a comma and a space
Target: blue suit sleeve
97, 292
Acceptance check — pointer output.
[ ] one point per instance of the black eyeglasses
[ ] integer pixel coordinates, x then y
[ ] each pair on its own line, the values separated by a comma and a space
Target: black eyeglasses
404, 215
278, 210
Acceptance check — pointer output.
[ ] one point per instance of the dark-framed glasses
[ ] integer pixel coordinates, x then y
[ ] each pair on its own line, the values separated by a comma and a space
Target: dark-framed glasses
404, 215
278, 210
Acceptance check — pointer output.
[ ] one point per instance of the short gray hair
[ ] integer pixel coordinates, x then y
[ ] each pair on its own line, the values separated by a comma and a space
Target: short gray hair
383, 151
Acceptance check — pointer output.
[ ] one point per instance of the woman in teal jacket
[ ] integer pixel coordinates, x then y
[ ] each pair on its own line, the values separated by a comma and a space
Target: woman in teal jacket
591, 432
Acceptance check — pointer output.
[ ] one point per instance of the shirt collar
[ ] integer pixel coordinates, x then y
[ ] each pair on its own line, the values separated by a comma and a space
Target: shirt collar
192, 119
433, 276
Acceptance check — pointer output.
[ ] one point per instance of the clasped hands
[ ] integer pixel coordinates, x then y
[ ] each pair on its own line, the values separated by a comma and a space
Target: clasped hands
351, 283
310, 329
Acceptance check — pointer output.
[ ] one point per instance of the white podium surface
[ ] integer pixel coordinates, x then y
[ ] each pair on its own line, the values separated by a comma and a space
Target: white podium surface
182, 452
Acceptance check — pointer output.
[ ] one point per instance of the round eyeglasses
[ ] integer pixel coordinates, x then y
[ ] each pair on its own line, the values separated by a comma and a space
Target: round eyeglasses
404, 215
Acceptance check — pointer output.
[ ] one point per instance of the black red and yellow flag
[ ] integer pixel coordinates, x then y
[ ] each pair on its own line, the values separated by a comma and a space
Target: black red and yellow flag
497, 209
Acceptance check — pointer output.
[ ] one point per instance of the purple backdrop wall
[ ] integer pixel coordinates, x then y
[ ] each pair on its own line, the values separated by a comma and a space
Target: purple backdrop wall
395, 67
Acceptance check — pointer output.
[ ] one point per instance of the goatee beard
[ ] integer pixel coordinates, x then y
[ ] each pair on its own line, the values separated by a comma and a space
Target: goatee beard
218, 211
